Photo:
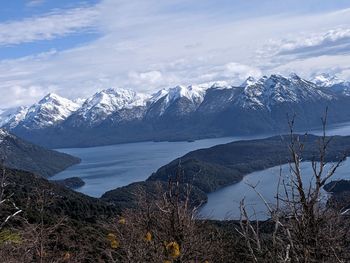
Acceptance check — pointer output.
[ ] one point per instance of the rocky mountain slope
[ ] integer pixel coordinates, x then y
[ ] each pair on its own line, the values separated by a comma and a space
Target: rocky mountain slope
19, 154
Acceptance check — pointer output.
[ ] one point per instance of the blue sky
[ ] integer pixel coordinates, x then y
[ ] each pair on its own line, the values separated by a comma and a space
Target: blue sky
75, 48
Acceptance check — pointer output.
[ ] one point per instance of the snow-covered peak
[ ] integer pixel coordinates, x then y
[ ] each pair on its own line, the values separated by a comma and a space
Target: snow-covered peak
55, 99
194, 93
50, 97
11, 117
268, 91
219, 85
105, 102
249, 81
333, 83
166, 97
49, 111
116, 99
326, 80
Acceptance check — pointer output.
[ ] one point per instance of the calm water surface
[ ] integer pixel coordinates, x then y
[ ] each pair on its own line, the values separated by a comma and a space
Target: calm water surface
108, 167
224, 203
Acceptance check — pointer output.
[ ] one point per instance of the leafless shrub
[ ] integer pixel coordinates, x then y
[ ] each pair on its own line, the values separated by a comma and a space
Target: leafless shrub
37, 241
301, 227
163, 229
6, 203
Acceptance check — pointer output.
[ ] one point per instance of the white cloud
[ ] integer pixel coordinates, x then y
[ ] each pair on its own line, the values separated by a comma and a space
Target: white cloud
33, 3
149, 78
306, 44
17, 95
333, 64
242, 72
144, 46
47, 27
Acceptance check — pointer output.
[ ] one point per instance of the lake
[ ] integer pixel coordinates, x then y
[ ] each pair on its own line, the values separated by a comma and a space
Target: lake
108, 167
224, 203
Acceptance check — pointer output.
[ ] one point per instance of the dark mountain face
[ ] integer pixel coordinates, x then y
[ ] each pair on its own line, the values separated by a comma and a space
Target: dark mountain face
187, 113
26, 156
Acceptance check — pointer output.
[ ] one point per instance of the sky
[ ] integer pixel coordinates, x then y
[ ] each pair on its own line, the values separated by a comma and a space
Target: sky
76, 48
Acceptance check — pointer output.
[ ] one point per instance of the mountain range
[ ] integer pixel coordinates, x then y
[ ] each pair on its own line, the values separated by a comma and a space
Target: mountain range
181, 113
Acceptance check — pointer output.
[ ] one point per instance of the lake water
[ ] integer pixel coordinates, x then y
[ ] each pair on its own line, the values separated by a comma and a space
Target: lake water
108, 167
225, 203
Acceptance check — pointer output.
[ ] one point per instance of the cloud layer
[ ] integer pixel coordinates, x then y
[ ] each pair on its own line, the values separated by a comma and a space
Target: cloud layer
47, 27
148, 45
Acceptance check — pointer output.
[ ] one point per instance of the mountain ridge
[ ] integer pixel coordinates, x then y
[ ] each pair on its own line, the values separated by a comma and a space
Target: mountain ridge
18, 154
184, 113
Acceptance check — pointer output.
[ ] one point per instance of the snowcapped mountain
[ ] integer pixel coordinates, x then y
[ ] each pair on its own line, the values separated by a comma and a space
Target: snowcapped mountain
197, 111
49, 111
104, 103
326, 80
193, 93
334, 83
276, 89
11, 117
248, 82
188, 98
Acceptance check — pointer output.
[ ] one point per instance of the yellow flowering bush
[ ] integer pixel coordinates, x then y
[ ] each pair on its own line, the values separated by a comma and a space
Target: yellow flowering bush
114, 243
67, 256
173, 249
148, 237
122, 221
